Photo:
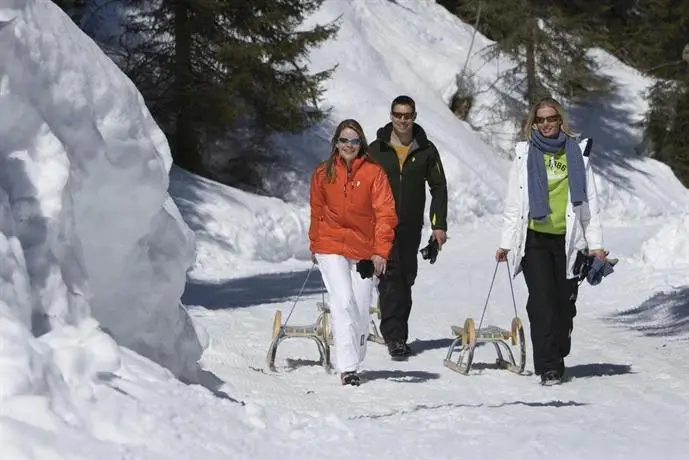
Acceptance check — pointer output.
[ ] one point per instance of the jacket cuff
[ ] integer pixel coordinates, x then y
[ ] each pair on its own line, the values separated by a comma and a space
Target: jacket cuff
384, 255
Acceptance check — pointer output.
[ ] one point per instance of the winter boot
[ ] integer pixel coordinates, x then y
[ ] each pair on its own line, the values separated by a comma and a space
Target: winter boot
551, 378
350, 378
398, 351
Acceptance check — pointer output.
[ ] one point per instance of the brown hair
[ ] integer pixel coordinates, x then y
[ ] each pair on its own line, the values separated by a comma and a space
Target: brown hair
363, 147
529, 126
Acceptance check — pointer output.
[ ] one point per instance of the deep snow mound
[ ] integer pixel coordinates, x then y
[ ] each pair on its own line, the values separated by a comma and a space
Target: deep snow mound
88, 228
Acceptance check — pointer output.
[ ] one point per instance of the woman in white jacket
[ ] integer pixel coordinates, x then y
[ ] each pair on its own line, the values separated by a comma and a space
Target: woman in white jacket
551, 213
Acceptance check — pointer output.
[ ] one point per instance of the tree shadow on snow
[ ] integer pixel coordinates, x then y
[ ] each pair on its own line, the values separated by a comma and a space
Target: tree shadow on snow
419, 345
400, 376
253, 290
665, 314
295, 363
554, 403
605, 120
213, 383
395, 2
482, 366
426, 407
581, 371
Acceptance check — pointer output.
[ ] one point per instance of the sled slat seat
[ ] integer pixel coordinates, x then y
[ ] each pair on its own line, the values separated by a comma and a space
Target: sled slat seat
486, 333
309, 330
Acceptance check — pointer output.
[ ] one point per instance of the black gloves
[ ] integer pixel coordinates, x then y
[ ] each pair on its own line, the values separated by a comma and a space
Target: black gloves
430, 252
365, 268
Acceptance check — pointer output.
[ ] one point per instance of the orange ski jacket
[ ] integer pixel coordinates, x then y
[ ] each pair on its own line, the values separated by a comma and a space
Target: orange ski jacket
354, 215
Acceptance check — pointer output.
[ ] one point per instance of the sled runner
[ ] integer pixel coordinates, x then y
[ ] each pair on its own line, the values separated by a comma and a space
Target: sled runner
467, 338
320, 332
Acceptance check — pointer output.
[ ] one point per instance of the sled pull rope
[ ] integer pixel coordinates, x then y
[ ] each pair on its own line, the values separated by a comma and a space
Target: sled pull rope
490, 289
509, 277
301, 291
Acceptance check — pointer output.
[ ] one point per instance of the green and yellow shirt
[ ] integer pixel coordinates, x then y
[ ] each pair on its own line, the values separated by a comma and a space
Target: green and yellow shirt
558, 195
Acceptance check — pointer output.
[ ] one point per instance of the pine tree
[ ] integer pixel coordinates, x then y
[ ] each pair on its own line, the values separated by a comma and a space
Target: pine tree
220, 76
545, 42
658, 33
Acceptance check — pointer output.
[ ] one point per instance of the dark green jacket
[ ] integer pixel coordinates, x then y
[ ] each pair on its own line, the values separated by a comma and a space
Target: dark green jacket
409, 183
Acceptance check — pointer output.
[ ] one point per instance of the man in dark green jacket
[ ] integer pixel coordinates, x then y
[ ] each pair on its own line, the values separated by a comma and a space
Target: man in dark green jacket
410, 161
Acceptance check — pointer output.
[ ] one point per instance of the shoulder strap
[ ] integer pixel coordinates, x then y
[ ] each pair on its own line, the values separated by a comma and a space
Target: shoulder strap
586, 150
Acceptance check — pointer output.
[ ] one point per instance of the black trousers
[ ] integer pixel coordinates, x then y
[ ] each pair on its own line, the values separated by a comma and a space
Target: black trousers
394, 288
551, 306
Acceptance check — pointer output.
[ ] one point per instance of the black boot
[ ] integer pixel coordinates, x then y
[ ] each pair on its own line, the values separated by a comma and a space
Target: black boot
399, 351
350, 378
551, 378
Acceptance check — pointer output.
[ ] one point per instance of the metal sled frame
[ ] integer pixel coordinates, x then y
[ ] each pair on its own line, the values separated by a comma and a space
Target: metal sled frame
320, 332
466, 339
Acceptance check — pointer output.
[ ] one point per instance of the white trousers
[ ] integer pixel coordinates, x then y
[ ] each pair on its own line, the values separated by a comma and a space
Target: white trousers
350, 300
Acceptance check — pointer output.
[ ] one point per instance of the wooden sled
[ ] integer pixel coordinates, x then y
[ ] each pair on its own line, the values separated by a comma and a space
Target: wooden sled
466, 339
320, 332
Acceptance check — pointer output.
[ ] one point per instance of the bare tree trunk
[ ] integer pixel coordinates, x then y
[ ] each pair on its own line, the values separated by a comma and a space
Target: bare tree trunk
186, 146
531, 75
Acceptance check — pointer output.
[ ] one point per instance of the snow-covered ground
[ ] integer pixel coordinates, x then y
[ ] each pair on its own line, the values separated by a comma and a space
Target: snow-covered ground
90, 242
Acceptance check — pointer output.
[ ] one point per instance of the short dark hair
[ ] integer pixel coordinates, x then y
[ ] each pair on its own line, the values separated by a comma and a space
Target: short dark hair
403, 100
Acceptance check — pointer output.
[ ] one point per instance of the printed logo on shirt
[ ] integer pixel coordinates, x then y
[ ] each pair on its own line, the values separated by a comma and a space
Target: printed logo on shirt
556, 169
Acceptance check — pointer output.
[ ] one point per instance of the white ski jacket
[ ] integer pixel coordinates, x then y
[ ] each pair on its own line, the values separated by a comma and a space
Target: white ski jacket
583, 222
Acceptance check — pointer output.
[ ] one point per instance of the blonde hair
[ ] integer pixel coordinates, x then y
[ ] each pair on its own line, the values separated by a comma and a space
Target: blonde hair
363, 147
530, 124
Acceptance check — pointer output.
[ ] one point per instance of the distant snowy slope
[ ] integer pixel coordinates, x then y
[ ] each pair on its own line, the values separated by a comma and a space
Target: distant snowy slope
384, 49
416, 47
88, 228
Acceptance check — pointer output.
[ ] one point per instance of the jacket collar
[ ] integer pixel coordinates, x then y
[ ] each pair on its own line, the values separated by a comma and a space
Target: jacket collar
418, 135
356, 163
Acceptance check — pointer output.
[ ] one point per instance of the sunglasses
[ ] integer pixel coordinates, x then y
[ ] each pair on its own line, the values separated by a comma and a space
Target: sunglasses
345, 141
550, 119
403, 116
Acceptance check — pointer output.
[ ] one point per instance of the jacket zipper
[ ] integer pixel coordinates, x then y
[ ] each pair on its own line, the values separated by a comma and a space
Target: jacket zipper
409, 154
344, 208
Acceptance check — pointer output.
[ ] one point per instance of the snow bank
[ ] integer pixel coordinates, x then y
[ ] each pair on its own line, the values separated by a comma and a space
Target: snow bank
669, 248
239, 232
87, 228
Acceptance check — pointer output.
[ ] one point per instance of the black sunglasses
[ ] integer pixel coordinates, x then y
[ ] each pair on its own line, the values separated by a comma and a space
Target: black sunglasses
403, 116
344, 140
550, 119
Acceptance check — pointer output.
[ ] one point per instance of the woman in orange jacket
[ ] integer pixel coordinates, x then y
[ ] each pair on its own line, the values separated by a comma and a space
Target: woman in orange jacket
353, 220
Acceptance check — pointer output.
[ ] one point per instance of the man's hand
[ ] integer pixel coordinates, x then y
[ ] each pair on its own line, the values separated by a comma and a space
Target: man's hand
598, 254
440, 236
379, 265
501, 255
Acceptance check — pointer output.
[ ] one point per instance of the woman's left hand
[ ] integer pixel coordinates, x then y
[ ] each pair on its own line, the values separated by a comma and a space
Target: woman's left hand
378, 265
598, 254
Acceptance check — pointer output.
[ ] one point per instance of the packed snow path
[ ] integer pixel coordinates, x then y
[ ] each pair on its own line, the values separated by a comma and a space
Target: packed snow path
628, 396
